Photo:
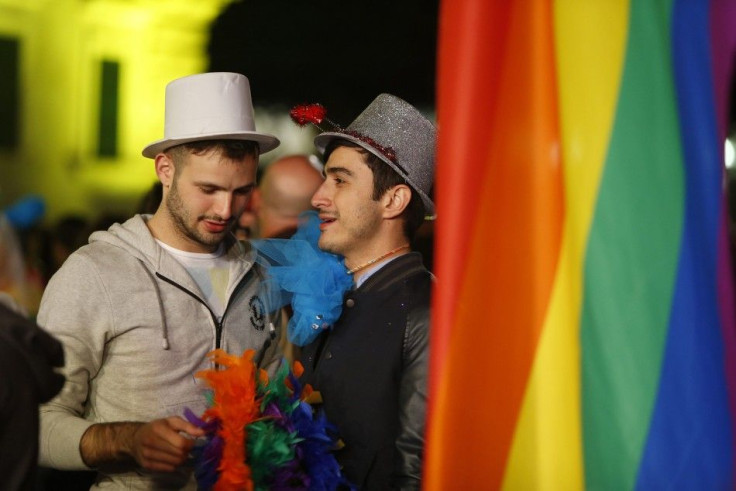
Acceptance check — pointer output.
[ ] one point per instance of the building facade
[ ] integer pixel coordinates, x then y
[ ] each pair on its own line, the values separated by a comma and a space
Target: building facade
82, 91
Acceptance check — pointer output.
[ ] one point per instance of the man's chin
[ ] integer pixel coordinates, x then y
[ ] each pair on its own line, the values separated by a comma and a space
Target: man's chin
327, 246
212, 239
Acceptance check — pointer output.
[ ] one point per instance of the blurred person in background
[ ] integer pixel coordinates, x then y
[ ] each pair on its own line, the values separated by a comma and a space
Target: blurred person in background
28, 357
69, 233
12, 266
21, 216
283, 193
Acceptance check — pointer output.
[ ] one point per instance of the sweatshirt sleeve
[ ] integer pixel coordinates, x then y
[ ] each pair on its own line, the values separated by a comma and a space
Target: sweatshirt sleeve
76, 309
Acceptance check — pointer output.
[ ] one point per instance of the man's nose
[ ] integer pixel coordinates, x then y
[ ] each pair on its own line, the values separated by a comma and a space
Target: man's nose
320, 198
224, 206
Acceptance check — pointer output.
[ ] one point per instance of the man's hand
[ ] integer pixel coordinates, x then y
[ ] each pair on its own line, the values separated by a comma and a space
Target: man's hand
157, 446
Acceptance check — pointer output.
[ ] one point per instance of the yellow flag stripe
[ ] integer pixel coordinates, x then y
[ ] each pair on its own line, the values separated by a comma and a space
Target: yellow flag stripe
590, 44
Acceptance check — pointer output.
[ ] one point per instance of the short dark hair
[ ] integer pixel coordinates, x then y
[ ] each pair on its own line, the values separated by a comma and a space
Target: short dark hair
384, 178
232, 149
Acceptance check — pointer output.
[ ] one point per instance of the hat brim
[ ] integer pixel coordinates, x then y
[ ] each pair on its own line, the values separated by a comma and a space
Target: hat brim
323, 139
266, 142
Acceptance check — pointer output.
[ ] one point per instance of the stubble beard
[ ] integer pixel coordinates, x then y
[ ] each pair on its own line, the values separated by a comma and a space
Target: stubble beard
353, 237
181, 218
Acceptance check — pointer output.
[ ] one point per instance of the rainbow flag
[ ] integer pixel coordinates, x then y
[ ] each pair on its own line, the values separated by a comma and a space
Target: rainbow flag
583, 321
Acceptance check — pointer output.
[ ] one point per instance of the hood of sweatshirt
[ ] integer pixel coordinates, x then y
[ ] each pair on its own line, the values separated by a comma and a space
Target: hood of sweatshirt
134, 237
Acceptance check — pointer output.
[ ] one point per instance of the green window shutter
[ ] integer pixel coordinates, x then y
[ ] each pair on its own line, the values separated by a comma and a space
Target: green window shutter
9, 93
107, 142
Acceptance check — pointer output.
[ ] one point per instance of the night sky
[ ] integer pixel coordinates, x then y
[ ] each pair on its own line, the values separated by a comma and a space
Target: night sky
339, 53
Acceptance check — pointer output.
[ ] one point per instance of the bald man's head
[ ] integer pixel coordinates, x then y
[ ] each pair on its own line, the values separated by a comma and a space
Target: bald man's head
285, 191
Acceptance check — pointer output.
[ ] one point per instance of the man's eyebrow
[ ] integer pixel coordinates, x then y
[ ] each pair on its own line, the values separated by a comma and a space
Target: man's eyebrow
206, 184
212, 185
337, 170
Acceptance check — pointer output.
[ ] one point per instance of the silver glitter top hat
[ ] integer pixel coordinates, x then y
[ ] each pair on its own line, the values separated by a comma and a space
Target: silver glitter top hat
394, 131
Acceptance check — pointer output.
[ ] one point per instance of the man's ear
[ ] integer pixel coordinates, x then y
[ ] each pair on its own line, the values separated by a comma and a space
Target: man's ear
165, 169
395, 200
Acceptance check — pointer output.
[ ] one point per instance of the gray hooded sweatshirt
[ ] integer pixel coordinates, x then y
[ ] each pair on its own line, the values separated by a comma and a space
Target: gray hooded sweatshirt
136, 330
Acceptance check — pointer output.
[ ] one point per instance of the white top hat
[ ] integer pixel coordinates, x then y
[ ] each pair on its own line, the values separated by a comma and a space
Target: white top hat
209, 106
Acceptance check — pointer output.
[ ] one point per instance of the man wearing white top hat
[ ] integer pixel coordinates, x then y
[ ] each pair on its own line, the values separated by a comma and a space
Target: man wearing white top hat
371, 366
142, 304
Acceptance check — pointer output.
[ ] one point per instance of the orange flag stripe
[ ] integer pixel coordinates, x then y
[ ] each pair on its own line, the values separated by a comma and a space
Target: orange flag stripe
499, 129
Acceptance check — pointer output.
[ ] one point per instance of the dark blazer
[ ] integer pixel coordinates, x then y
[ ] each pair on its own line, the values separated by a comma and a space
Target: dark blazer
372, 372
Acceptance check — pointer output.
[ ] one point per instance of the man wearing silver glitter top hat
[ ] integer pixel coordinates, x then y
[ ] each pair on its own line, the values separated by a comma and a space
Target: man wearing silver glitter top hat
371, 367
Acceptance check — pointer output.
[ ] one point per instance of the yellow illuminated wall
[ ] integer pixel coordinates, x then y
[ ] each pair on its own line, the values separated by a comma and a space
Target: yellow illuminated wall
62, 44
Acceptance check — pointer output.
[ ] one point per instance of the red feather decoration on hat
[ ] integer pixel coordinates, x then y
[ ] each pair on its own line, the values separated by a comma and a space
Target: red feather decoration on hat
308, 113
387, 152
303, 114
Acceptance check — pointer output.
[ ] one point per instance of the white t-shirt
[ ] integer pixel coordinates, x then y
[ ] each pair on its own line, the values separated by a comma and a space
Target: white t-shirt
210, 271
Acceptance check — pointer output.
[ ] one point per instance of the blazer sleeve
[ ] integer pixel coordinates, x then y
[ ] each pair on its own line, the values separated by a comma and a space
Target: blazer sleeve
413, 399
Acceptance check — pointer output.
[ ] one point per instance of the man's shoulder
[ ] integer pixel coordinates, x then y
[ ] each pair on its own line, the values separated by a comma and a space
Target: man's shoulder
416, 283
398, 272
402, 291
97, 259
420, 281
101, 253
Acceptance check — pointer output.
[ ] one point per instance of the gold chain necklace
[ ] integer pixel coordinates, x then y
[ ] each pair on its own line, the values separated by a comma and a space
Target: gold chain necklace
372, 261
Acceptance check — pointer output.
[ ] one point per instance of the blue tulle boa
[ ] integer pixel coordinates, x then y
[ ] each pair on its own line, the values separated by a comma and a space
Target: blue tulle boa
301, 274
